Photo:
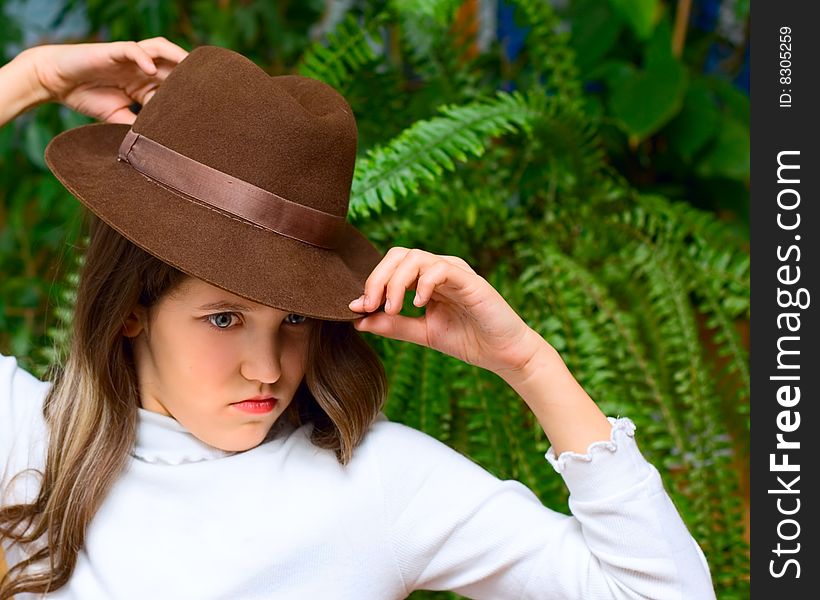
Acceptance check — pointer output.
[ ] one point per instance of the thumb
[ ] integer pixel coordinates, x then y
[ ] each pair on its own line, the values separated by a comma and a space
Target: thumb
397, 327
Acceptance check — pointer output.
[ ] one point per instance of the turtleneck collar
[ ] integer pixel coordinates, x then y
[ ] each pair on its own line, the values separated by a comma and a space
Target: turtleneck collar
163, 440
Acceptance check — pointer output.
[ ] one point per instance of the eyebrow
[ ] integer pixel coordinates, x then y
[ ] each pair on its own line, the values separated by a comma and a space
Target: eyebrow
227, 306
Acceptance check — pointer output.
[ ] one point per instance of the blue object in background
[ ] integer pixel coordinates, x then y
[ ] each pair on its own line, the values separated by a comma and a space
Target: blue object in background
705, 14
44, 21
743, 78
509, 34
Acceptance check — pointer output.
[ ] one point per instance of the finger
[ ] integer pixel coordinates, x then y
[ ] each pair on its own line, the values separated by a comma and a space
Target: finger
409, 273
131, 51
397, 327
149, 94
164, 69
121, 115
449, 280
375, 286
435, 276
376, 281
163, 49
459, 262
404, 277
109, 105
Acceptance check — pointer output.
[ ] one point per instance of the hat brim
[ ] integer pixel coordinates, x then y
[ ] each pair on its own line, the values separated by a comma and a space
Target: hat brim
203, 241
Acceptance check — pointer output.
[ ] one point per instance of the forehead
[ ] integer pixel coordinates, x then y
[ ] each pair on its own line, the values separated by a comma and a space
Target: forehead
203, 295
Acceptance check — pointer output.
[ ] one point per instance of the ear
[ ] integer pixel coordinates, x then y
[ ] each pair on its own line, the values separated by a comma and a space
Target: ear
134, 323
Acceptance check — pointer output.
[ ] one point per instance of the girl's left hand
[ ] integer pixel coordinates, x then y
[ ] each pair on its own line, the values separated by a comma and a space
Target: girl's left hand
465, 316
102, 80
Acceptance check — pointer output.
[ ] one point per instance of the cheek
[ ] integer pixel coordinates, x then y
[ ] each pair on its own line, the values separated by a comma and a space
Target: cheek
295, 354
201, 357
212, 356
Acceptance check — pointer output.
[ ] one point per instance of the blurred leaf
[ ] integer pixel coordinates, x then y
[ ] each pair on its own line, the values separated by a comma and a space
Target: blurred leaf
36, 138
697, 122
658, 49
728, 156
25, 291
595, 30
614, 72
638, 14
71, 119
734, 102
21, 342
644, 102
6, 140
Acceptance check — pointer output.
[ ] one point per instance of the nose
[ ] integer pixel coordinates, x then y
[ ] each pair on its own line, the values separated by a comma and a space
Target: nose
262, 359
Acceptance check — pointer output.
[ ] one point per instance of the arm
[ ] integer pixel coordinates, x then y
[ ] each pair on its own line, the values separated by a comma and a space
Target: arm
454, 526
625, 538
569, 417
20, 90
100, 80
467, 318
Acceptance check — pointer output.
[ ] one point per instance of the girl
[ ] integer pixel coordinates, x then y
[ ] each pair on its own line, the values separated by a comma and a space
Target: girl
216, 431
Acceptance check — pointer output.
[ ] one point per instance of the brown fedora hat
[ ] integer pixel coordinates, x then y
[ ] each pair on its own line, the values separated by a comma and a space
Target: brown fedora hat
235, 177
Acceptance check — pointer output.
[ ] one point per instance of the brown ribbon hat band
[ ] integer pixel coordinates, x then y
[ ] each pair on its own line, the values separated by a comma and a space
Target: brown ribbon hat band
240, 198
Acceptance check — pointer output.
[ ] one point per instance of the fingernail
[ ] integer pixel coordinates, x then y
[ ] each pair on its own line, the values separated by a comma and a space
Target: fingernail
417, 299
387, 305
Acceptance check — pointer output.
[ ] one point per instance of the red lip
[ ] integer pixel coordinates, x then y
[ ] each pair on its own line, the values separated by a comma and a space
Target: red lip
257, 398
259, 405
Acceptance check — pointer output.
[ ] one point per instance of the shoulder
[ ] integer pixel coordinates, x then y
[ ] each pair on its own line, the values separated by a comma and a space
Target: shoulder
21, 393
408, 455
399, 439
23, 430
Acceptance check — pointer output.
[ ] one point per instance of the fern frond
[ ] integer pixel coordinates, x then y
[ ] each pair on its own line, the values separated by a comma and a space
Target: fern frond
549, 49
713, 260
715, 249
440, 11
348, 49
615, 370
424, 151
438, 57
710, 444
49, 357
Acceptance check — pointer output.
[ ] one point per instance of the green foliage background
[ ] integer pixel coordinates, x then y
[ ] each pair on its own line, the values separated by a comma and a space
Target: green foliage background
641, 291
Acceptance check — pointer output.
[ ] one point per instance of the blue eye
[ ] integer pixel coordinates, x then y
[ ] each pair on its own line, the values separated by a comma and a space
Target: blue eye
218, 318
298, 322
223, 321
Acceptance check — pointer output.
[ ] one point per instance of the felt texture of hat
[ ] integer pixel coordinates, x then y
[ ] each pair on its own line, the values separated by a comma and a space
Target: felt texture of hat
289, 135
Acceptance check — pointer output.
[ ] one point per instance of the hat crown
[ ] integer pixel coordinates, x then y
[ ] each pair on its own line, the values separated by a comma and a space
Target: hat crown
290, 135
234, 177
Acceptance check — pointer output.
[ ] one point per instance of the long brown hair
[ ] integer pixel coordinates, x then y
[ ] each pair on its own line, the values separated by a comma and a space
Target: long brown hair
91, 408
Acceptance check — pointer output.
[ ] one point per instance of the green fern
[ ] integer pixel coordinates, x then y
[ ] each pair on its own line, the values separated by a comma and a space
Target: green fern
48, 358
424, 151
348, 50
549, 49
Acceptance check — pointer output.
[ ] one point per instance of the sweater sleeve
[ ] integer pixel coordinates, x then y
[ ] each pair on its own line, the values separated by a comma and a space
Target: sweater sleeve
454, 526
22, 428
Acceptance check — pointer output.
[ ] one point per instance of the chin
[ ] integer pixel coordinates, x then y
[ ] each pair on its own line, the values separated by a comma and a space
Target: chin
242, 443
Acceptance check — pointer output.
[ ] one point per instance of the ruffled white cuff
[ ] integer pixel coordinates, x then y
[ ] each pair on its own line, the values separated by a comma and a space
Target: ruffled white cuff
607, 468
622, 424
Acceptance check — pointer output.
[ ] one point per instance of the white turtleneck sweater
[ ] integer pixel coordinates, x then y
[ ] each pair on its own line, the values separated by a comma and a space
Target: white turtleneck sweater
186, 521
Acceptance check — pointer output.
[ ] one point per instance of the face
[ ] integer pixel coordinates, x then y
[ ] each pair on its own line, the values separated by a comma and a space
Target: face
200, 350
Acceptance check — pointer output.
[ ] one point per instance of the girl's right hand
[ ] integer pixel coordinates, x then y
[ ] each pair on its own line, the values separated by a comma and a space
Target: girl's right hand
102, 80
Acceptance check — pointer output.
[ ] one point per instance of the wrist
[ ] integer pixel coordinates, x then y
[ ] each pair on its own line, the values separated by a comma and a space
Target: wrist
541, 356
20, 86
37, 92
